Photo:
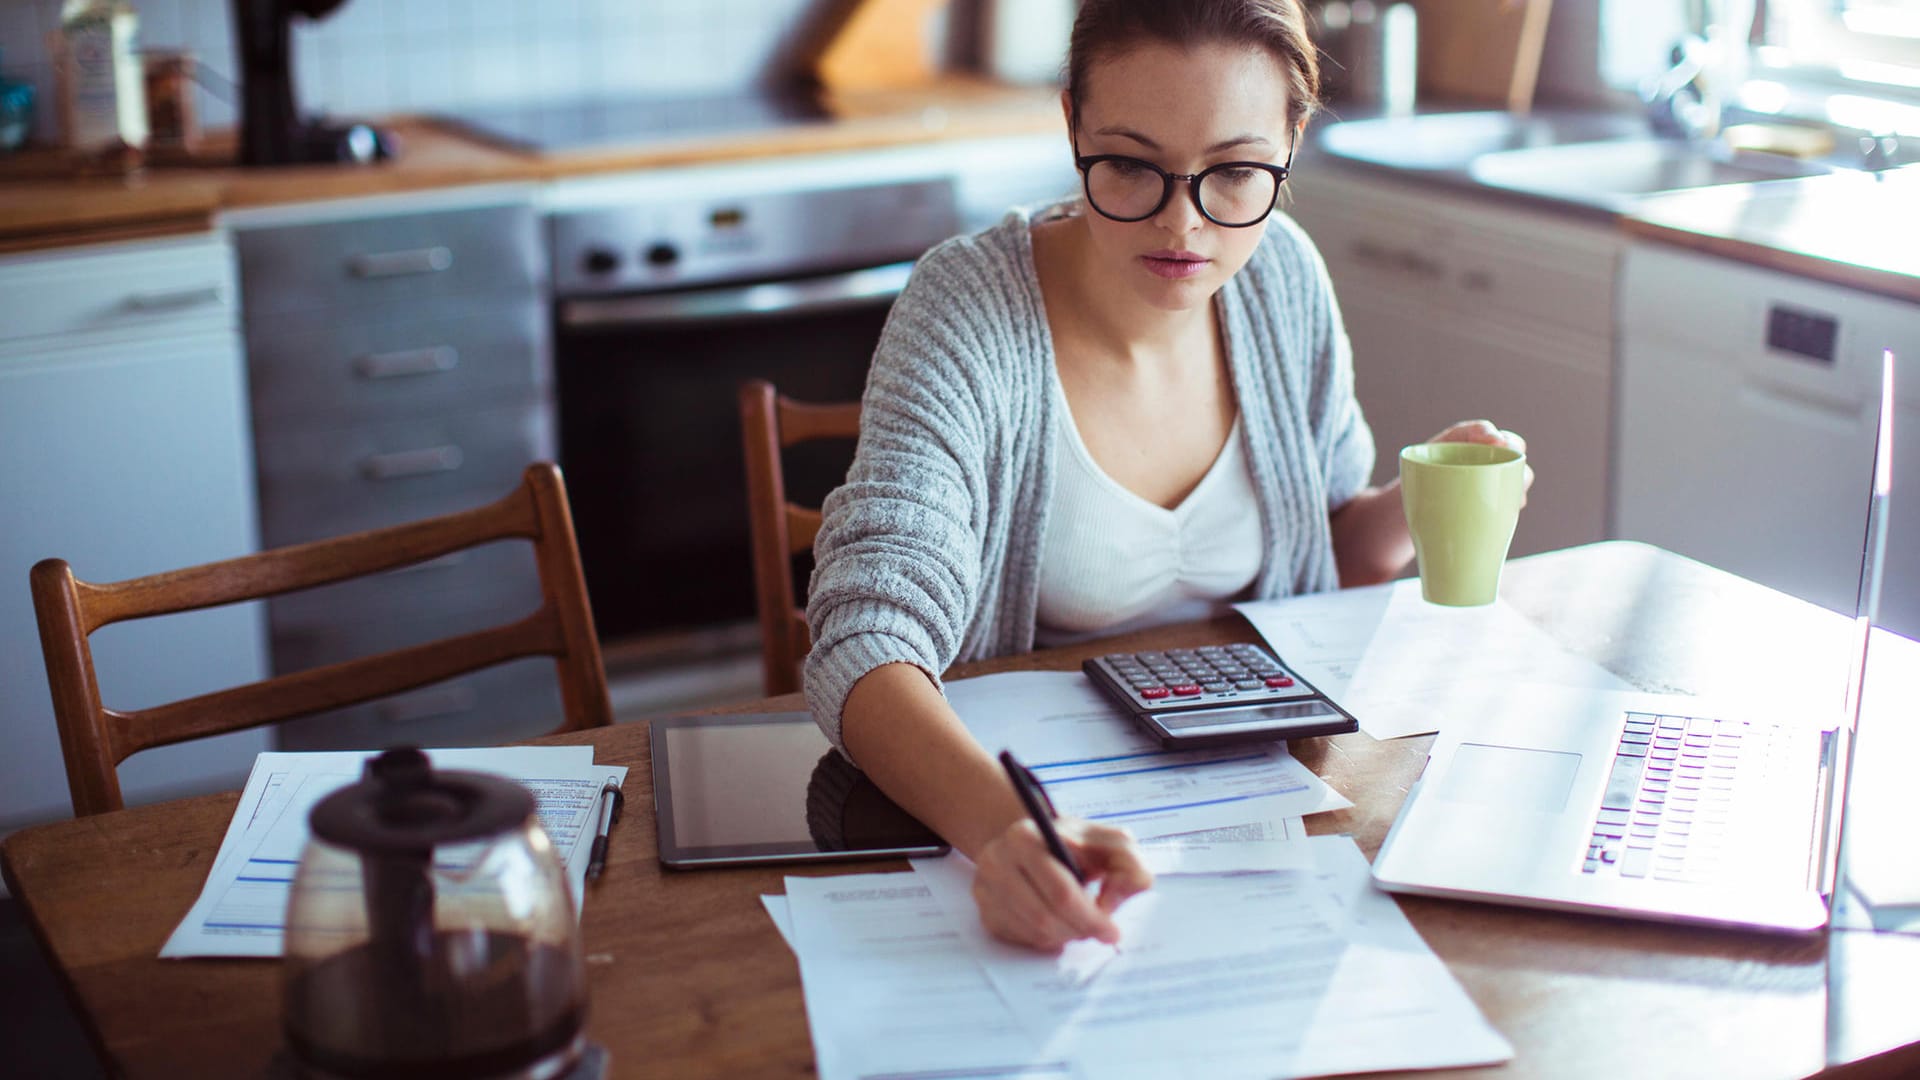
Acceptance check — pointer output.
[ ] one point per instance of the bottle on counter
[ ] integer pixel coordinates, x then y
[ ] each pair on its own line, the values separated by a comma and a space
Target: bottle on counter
103, 107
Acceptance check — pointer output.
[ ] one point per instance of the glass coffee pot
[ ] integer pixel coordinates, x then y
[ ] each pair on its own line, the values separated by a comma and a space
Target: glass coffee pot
431, 933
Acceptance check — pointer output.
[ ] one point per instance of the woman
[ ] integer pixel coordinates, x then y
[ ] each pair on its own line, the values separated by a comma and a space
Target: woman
1130, 409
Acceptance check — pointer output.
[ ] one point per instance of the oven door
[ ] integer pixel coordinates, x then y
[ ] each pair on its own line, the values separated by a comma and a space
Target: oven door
650, 434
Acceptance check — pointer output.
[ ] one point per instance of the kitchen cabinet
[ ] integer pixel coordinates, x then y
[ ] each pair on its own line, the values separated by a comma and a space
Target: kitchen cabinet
400, 359
1460, 308
1746, 424
124, 427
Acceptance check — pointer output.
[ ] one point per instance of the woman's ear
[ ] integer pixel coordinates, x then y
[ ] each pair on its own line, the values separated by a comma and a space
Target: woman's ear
1066, 108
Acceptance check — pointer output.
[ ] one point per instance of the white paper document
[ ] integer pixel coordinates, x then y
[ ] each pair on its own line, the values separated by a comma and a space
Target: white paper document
893, 991
1096, 763
1402, 666
1264, 975
242, 909
1248, 975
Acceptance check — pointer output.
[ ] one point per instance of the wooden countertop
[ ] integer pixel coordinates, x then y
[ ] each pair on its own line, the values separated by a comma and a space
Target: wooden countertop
43, 203
1854, 230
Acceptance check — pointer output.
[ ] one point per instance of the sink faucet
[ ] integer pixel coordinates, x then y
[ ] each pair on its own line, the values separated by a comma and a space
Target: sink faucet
1680, 103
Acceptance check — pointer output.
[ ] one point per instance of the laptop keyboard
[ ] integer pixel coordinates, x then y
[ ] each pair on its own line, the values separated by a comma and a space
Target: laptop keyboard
1680, 795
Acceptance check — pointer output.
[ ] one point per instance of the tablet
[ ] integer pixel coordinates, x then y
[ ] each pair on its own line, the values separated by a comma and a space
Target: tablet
768, 788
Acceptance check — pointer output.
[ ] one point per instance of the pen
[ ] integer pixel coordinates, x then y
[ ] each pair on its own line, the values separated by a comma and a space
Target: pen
609, 813
1040, 808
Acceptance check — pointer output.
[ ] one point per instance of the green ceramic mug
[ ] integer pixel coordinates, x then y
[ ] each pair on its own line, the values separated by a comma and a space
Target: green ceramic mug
1462, 501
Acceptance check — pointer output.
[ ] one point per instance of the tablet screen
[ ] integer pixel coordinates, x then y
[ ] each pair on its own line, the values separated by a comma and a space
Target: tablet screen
767, 787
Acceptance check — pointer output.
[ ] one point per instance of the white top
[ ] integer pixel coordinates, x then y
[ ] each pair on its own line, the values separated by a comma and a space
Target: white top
1112, 562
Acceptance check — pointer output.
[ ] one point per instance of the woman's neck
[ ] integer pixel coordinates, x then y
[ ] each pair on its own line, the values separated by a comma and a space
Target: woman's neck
1104, 312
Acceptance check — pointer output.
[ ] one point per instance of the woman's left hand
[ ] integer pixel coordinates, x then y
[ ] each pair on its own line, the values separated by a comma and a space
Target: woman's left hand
1484, 431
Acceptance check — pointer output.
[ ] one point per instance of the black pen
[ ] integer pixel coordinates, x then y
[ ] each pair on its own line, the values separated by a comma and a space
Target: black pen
1040, 808
609, 813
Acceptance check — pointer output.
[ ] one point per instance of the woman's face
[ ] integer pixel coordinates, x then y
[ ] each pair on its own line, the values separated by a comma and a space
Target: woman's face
1182, 109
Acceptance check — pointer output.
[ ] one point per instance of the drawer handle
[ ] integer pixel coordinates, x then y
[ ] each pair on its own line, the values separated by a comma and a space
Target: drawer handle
426, 704
176, 299
386, 264
392, 365
404, 463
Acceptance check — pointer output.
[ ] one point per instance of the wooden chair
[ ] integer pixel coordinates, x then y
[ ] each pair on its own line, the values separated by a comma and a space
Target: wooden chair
769, 424
95, 739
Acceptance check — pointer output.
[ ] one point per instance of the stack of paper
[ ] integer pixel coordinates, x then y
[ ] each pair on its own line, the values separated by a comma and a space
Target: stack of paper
1257, 953
242, 909
1274, 974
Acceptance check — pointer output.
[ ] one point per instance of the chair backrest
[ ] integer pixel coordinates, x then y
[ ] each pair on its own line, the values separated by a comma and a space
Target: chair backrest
95, 739
769, 424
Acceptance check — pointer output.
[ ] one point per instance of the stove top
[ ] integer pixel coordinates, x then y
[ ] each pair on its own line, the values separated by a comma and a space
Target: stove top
581, 125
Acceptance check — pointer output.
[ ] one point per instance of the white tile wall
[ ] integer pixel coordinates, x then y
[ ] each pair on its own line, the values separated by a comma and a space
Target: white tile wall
372, 57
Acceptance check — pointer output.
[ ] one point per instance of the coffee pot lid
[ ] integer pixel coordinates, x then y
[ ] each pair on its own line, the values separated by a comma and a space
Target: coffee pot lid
402, 804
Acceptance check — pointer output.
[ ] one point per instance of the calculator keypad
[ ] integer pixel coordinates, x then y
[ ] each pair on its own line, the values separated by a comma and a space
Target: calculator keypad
1214, 674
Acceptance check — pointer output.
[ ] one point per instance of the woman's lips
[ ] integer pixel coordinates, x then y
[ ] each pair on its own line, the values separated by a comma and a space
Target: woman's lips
1174, 264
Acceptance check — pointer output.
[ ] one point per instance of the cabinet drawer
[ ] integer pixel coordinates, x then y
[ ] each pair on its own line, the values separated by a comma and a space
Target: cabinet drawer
458, 355
320, 483
143, 290
399, 258
497, 577
501, 704
1476, 256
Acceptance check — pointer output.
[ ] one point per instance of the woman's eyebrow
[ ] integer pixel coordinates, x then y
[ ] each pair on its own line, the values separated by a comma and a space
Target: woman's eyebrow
1225, 144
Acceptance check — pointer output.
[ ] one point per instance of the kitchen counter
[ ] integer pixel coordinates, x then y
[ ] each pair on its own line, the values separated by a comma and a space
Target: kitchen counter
1851, 229
42, 204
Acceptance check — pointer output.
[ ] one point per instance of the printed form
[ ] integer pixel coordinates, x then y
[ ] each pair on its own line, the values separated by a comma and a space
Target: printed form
1096, 763
242, 909
1242, 975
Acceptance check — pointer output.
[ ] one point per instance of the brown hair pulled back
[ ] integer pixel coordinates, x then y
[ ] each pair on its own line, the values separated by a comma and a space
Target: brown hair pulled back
1106, 28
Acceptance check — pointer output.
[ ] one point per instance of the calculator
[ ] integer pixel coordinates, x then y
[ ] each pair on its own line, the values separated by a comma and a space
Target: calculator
1215, 695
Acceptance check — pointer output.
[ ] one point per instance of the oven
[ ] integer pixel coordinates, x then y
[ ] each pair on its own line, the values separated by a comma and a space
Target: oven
663, 307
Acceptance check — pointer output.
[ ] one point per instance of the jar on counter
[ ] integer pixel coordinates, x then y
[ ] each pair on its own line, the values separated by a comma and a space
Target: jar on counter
172, 123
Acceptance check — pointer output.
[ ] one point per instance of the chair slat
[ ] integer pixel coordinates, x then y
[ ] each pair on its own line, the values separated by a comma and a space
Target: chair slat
335, 686
802, 422
304, 566
769, 423
802, 526
95, 739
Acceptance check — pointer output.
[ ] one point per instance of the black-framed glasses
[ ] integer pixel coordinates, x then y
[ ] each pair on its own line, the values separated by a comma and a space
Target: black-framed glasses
1232, 194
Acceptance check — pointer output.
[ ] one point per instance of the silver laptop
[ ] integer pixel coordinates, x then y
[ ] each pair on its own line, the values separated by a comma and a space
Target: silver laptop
1646, 805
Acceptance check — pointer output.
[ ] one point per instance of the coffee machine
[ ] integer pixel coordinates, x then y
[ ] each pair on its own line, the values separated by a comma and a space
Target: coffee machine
272, 131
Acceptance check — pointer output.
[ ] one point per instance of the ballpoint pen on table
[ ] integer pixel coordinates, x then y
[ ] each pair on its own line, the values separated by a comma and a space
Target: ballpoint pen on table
609, 813
1040, 808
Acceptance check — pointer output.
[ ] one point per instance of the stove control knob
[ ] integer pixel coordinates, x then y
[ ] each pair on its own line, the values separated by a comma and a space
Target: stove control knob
662, 255
600, 261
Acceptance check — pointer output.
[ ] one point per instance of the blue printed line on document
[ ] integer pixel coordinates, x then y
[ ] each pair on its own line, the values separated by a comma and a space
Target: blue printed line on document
1176, 806
1158, 768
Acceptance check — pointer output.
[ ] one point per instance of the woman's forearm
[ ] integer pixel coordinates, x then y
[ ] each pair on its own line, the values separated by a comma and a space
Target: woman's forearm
902, 733
1370, 539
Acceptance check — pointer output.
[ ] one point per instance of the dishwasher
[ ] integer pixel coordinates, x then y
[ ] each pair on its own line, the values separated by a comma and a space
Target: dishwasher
1744, 427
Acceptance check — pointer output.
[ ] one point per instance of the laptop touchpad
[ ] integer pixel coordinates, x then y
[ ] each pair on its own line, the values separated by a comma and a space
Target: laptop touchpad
1510, 776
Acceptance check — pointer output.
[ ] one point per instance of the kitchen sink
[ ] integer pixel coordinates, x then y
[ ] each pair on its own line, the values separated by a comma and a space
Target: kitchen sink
1451, 141
1605, 160
1611, 173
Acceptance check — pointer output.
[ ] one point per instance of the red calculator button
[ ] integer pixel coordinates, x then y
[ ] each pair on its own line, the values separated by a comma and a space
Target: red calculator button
1154, 693
1186, 690
1278, 681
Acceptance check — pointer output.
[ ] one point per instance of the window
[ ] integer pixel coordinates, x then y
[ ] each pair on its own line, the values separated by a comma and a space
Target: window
1867, 41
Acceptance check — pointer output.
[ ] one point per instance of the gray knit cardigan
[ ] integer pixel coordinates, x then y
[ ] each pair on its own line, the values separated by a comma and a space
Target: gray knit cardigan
930, 552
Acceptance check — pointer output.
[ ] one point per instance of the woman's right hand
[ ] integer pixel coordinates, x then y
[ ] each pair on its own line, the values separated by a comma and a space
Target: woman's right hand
1028, 898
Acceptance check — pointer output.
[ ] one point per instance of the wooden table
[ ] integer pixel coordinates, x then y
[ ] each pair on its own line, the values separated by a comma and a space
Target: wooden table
689, 978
